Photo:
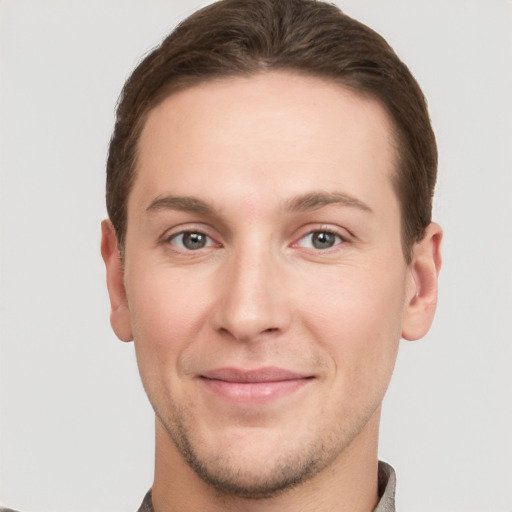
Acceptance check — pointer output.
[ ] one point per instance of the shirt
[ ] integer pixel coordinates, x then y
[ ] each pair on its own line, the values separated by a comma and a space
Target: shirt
387, 483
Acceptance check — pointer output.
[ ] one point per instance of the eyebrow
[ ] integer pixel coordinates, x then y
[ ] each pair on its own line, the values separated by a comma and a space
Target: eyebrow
181, 203
315, 200
306, 202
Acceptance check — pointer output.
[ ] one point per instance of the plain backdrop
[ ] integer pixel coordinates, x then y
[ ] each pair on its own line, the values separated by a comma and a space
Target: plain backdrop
76, 429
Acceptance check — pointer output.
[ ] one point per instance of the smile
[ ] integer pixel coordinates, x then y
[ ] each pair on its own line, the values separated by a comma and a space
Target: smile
253, 387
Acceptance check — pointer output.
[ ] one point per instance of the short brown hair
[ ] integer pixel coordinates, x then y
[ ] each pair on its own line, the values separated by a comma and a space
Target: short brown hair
243, 37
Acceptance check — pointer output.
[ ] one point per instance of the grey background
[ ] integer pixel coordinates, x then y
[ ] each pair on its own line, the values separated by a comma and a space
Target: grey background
76, 430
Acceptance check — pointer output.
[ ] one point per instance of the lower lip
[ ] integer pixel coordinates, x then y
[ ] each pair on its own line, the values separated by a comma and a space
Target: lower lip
254, 393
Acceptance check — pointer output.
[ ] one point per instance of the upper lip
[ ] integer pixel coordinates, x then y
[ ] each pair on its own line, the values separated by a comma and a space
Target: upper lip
266, 374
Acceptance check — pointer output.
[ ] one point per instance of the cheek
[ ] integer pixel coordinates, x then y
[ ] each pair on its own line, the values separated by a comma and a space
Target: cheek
166, 313
358, 322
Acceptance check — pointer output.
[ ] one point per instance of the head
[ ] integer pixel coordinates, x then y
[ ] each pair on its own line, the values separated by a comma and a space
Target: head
242, 38
269, 186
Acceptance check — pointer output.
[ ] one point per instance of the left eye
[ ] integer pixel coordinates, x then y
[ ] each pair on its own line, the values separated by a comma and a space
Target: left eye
191, 240
320, 240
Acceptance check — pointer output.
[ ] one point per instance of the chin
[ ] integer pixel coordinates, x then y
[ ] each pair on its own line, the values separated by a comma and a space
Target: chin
255, 464
253, 478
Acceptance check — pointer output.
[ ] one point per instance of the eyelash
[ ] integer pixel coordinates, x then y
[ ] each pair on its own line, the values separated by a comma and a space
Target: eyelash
209, 241
338, 238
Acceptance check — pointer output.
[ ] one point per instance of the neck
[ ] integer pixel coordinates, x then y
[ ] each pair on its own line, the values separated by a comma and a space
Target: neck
348, 484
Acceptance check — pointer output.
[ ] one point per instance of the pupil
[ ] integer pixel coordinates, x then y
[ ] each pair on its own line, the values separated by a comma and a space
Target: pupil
194, 240
323, 240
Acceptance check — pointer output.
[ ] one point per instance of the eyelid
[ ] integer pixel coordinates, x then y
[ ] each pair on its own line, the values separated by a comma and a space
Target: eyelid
182, 229
176, 236
343, 234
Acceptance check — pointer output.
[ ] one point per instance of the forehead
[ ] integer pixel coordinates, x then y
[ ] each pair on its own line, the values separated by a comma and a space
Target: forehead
294, 131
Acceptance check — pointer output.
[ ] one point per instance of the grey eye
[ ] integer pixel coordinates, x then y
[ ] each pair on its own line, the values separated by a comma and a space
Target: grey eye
191, 240
320, 240
323, 240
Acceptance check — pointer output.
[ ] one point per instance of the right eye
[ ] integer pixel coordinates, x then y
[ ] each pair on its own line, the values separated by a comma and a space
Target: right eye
320, 240
190, 240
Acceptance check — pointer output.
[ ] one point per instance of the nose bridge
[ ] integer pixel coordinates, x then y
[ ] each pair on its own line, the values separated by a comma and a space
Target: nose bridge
253, 299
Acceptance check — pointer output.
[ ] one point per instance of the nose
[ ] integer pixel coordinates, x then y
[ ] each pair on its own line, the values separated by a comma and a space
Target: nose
253, 301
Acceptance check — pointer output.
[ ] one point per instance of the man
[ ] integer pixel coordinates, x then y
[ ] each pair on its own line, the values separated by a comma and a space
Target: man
269, 189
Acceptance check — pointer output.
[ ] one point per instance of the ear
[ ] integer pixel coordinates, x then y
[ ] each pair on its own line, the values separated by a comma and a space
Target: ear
119, 312
421, 295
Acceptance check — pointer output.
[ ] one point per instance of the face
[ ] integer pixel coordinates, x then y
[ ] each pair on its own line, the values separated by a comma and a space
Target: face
264, 282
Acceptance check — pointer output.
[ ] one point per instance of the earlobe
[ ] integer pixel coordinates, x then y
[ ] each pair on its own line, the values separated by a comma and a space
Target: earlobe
120, 312
421, 299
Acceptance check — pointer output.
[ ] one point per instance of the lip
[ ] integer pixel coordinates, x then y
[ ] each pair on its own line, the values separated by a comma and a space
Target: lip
253, 387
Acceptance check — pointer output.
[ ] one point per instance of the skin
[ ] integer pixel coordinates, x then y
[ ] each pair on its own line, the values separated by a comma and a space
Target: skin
286, 181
